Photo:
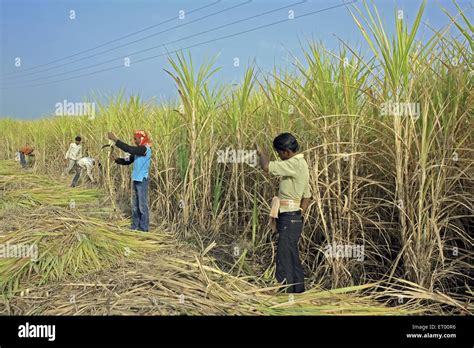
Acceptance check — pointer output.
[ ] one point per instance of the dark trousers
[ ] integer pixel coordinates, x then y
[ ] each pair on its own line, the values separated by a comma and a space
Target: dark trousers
288, 264
76, 176
22, 159
140, 205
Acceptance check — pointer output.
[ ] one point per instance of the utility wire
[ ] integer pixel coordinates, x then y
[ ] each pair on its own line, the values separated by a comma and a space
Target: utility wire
108, 42
188, 47
132, 42
154, 47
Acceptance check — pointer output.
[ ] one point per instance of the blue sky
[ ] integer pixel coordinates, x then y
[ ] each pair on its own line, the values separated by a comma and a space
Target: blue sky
41, 31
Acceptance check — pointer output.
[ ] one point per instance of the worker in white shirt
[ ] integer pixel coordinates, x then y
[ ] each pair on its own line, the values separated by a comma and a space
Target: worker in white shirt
73, 154
86, 163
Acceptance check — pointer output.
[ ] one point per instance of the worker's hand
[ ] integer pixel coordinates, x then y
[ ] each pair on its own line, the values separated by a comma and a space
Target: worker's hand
112, 136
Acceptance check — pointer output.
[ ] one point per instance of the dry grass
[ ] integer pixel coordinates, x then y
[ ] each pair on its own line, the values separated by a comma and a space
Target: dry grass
90, 265
401, 186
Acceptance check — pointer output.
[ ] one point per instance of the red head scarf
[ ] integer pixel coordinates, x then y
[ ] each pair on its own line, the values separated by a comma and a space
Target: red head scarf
144, 139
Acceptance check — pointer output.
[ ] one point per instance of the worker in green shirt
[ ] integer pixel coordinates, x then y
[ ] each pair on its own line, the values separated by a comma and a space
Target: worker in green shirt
287, 208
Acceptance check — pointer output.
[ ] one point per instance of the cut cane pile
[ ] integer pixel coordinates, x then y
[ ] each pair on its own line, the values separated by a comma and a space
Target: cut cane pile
88, 262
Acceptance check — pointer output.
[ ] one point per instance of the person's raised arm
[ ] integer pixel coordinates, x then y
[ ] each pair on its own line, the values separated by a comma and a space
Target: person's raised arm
133, 150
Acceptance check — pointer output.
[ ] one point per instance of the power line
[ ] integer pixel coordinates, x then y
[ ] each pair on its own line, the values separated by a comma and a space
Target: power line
109, 42
187, 47
161, 45
191, 46
129, 43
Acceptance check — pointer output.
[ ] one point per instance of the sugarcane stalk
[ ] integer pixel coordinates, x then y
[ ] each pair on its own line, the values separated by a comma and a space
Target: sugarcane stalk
109, 179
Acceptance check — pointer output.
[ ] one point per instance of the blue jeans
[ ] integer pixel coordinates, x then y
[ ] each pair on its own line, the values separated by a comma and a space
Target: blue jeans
140, 205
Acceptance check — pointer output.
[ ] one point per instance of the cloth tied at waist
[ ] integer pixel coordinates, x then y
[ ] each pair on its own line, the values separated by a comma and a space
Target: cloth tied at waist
277, 203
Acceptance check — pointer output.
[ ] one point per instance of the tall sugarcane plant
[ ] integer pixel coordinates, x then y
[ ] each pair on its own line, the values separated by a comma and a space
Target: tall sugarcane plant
398, 184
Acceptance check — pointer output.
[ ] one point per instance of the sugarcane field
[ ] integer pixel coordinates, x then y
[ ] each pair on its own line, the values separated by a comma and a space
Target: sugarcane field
168, 159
